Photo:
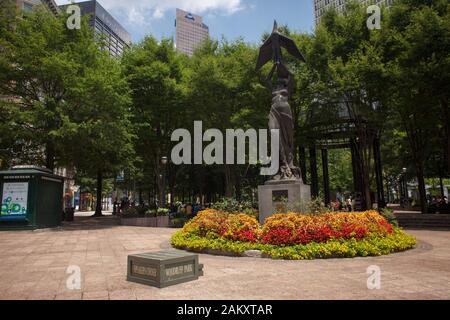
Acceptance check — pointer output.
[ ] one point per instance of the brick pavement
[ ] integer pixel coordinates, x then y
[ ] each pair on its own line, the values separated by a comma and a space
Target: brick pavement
33, 265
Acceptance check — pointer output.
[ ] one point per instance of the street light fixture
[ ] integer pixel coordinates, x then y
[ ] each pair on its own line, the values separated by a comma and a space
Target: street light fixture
164, 162
405, 188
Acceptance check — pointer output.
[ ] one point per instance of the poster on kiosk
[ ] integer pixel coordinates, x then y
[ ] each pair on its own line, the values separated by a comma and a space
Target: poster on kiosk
14, 201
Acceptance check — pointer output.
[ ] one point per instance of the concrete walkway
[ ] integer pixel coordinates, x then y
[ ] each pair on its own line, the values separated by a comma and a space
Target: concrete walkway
33, 265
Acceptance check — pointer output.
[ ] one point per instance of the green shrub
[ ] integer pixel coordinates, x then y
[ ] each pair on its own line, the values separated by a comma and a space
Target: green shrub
141, 210
151, 213
388, 214
178, 222
233, 206
179, 215
131, 211
315, 206
162, 211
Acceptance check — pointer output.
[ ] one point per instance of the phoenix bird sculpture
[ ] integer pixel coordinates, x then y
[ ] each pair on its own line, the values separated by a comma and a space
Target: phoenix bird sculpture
271, 50
280, 116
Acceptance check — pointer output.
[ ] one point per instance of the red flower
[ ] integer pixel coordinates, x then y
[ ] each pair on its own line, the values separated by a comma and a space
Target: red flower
246, 236
278, 236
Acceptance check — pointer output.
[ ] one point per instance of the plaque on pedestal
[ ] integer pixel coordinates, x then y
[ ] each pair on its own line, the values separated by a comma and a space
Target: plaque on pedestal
273, 193
164, 268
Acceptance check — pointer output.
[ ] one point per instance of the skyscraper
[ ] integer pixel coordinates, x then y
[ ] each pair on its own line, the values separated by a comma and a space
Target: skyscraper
321, 6
190, 32
103, 23
27, 5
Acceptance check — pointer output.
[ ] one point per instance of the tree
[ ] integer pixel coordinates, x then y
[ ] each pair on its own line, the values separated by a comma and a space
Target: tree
154, 72
225, 92
425, 32
416, 53
96, 125
41, 59
349, 85
68, 103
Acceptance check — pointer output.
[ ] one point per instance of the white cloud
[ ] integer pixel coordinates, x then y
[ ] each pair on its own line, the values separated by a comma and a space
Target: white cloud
158, 14
135, 16
140, 11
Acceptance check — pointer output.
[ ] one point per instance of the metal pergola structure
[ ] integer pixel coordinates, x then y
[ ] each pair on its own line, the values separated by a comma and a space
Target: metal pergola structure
336, 125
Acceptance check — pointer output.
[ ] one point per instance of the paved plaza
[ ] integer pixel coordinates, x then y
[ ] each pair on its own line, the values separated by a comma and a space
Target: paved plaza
33, 265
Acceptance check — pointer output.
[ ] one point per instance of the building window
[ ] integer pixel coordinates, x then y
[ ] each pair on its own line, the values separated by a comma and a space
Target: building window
27, 7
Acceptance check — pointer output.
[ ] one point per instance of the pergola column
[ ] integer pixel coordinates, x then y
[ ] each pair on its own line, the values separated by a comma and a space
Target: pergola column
314, 175
302, 162
355, 167
378, 172
358, 179
326, 177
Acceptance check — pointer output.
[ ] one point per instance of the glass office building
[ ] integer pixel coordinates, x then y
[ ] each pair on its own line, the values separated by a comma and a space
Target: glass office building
190, 32
321, 6
27, 5
116, 37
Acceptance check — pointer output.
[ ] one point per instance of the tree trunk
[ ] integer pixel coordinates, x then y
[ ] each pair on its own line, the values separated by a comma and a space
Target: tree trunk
415, 139
378, 172
366, 155
172, 195
314, 174
237, 186
98, 205
446, 114
149, 195
326, 177
422, 191
360, 175
355, 169
228, 181
302, 162
141, 199
441, 185
162, 197
50, 156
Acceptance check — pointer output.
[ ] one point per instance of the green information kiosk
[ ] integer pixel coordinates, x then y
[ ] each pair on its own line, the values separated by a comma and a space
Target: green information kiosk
31, 198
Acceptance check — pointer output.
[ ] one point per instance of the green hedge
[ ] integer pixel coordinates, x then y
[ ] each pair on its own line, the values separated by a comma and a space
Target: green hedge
375, 246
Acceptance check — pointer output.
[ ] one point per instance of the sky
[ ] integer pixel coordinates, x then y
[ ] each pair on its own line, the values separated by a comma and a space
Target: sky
229, 18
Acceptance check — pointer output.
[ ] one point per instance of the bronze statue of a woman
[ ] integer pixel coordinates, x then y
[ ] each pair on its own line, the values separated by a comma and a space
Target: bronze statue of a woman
280, 116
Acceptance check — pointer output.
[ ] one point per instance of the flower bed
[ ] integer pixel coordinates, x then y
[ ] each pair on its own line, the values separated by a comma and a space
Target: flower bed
294, 236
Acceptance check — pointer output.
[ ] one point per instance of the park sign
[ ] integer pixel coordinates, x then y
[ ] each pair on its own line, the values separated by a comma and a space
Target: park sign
164, 268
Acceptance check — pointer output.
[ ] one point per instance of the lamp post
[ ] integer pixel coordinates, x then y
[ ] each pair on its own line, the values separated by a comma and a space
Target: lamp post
164, 162
114, 198
388, 188
405, 188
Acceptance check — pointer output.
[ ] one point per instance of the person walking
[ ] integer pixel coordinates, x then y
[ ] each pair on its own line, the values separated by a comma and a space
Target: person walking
349, 204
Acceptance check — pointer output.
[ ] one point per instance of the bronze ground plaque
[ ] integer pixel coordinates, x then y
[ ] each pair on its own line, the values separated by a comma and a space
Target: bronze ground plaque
164, 268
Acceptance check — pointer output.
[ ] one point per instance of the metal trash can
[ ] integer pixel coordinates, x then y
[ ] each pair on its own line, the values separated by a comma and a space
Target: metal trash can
69, 214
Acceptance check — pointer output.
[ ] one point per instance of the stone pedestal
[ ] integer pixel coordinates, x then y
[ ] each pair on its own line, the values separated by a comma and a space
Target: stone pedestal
272, 193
